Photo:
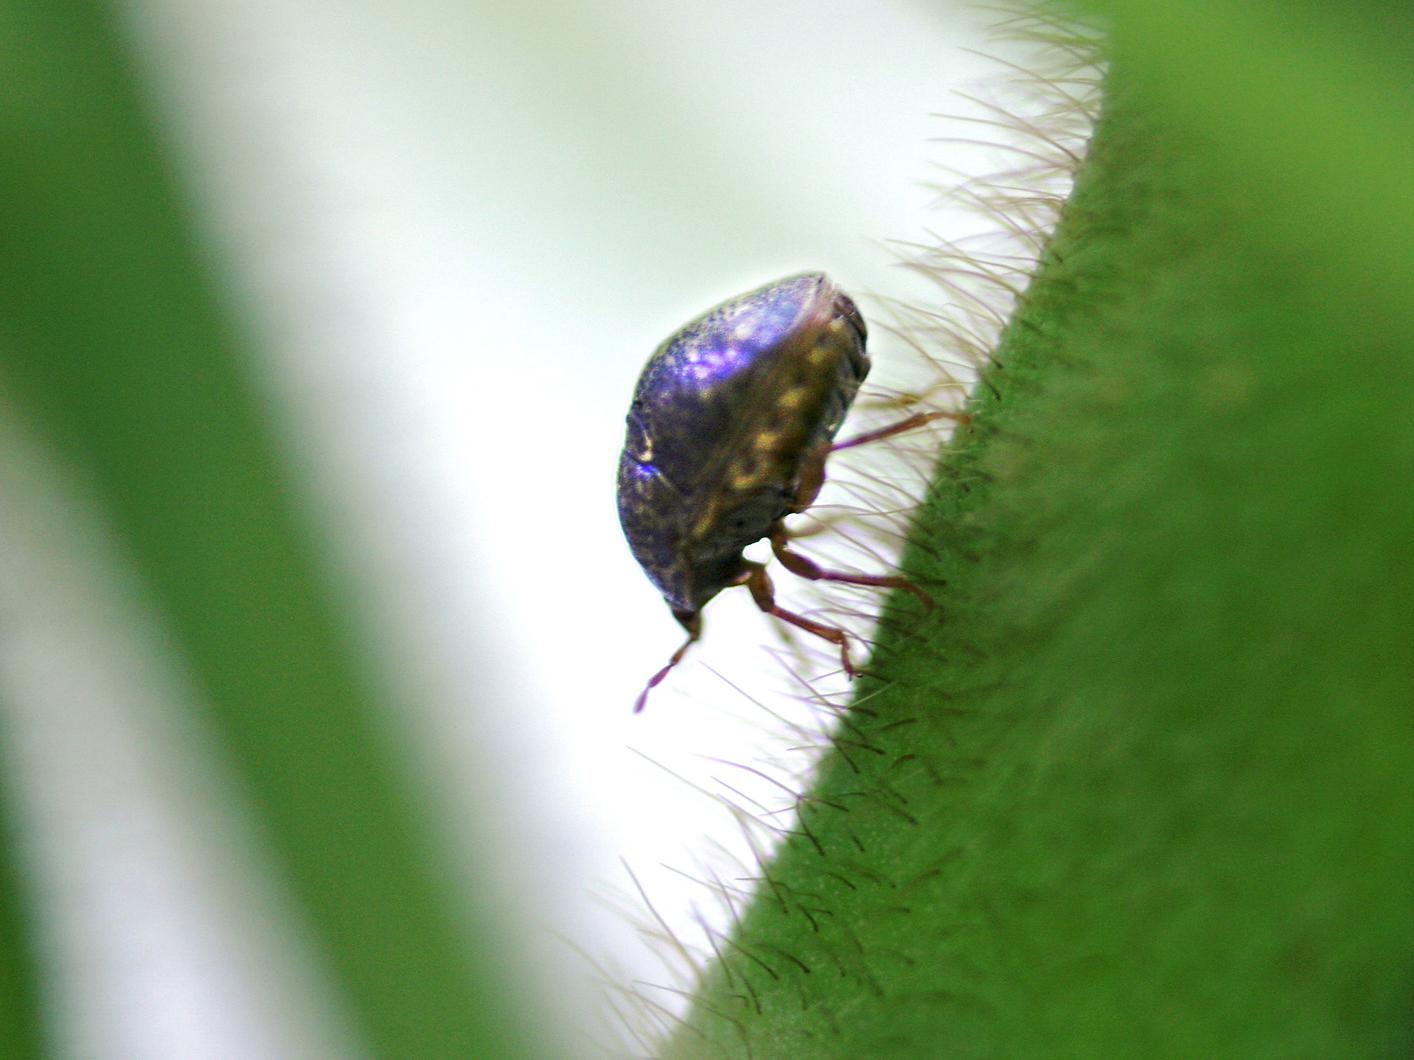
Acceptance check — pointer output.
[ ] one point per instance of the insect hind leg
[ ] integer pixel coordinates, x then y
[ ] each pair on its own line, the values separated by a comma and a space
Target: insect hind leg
911, 423
812, 467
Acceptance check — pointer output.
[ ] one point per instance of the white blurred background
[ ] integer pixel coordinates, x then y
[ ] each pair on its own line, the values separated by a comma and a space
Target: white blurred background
458, 230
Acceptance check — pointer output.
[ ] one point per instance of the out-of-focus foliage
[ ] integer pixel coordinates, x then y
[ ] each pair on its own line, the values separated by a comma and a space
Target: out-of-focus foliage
114, 339
20, 1027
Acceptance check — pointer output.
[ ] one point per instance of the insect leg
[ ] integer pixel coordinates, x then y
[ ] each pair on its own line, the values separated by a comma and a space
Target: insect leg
812, 465
694, 630
808, 568
765, 596
918, 419
812, 477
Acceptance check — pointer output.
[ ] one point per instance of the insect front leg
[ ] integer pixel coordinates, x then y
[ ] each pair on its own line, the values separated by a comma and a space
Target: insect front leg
693, 624
805, 567
763, 592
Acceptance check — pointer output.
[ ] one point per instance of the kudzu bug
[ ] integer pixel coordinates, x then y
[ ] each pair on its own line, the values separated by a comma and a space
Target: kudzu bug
731, 424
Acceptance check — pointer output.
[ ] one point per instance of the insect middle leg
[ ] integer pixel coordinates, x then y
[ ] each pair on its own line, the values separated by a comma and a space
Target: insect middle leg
804, 567
812, 479
763, 592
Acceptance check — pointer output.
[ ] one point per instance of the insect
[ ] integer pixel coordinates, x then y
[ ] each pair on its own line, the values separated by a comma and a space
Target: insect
731, 424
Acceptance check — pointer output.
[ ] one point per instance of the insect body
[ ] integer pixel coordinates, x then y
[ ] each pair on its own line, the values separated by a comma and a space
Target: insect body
730, 427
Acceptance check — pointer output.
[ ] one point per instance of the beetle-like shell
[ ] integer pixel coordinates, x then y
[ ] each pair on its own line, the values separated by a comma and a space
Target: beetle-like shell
725, 417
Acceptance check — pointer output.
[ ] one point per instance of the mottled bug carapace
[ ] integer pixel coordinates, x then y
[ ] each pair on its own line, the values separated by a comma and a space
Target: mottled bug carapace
731, 424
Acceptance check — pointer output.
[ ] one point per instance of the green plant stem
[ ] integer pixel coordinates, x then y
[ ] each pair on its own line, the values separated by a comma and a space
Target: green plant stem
1140, 786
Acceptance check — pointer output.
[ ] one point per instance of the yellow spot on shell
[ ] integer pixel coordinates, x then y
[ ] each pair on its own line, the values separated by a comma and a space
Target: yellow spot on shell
792, 398
747, 474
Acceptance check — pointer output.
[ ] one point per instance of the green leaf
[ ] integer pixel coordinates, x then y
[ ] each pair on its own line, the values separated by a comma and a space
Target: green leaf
21, 1022
115, 338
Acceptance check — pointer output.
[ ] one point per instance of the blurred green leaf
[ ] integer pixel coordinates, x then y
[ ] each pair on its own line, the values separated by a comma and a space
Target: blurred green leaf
21, 1020
114, 335
1309, 110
